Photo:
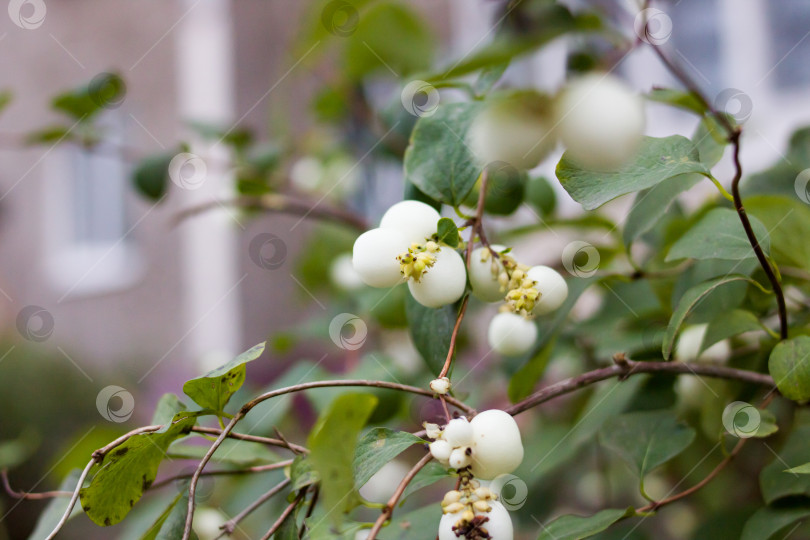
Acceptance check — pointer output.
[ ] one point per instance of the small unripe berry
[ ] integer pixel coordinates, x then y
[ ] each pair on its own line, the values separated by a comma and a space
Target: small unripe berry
485, 284
416, 220
498, 524
441, 450
458, 432
440, 386
374, 257
552, 287
443, 283
600, 121
451, 497
511, 334
459, 458
498, 448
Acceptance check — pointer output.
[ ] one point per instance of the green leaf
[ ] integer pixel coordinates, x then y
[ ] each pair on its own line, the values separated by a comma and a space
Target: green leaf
775, 481
678, 98
17, 451
651, 205
213, 390
332, 445
56, 508
689, 301
233, 451
83, 103
711, 140
169, 525
729, 324
767, 522
790, 369
646, 439
151, 176
767, 425
429, 475
390, 39
522, 382
5, 99
49, 135
431, 330
657, 160
505, 188
128, 470
488, 78
573, 527
540, 195
788, 221
167, 407
801, 469
719, 235
448, 232
378, 447
438, 160
301, 473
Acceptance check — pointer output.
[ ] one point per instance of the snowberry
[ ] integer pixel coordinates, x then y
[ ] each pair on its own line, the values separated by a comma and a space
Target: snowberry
497, 448
343, 274
416, 220
552, 287
484, 271
459, 458
511, 334
441, 450
498, 524
458, 432
515, 129
443, 283
374, 256
600, 121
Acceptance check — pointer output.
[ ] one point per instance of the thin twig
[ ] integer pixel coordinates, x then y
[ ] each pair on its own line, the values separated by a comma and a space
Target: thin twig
227, 472
73, 499
392, 502
229, 526
284, 515
312, 502
452, 349
27, 494
296, 449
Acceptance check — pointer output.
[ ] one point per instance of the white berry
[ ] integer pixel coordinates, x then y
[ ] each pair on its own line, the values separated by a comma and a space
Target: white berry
374, 256
343, 274
516, 130
458, 432
459, 458
498, 524
552, 287
416, 220
497, 447
485, 285
441, 450
600, 121
443, 283
511, 334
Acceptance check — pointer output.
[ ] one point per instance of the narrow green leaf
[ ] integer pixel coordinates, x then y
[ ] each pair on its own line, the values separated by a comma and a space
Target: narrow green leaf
167, 407
431, 330
690, 299
129, 470
438, 160
378, 447
766, 522
49, 135
801, 469
573, 527
790, 368
448, 232
646, 439
774, 481
729, 324
719, 235
169, 525
5, 99
214, 390
332, 445
657, 160
56, 508
678, 98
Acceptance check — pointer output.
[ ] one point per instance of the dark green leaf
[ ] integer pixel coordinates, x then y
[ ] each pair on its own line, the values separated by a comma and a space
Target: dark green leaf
213, 390
431, 330
151, 176
332, 445
505, 188
157, 530
128, 470
573, 527
657, 160
540, 194
767, 522
774, 481
767, 425
790, 368
688, 302
378, 447
788, 223
168, 406
56, 508
438, 160
651, 205
729, 324
678, 98
719, 235
646, 439
83, 103
710, 139
448, 232
522, 382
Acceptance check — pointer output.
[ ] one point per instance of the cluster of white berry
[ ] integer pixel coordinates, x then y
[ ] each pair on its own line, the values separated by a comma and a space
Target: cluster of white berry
403, 248
481, 449
597, 117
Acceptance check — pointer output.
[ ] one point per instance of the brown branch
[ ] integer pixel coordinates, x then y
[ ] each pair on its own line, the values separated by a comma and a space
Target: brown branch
296, 449
73, 499
229, 526
392, 502
284, 515
449, 359
226, 472
625, 368
27, 494
283, 204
